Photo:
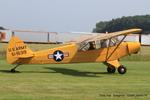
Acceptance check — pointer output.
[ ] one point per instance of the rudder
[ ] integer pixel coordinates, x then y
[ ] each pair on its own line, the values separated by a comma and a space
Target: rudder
17, 49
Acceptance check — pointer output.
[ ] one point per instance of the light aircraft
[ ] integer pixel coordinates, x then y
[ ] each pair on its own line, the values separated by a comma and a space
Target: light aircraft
105, 48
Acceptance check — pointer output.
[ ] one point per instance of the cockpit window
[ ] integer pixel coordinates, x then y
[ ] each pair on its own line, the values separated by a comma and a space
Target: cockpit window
98, 44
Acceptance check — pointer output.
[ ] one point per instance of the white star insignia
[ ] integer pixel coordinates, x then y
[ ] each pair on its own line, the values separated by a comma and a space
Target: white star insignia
58, 55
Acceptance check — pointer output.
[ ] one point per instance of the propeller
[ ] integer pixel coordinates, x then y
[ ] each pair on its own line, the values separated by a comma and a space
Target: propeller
140, 40
140, 37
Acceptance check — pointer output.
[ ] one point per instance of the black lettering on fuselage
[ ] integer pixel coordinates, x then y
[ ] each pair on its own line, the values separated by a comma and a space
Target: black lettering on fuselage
17, 51
17, 48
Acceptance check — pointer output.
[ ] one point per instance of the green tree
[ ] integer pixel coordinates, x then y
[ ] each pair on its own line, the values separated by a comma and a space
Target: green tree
123, 23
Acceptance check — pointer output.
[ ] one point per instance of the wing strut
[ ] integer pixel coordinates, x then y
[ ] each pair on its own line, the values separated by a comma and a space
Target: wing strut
108, 56
108, 49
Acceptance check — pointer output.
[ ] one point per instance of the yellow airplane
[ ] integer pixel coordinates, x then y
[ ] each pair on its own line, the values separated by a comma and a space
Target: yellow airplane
106, 48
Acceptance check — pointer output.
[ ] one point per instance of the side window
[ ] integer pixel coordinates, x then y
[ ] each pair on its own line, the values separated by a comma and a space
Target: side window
104, 43
98, 44
109, 42
88, 46
92, 45
114, 41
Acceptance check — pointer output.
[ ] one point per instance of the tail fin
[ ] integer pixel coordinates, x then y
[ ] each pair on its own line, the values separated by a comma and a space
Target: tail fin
17, 49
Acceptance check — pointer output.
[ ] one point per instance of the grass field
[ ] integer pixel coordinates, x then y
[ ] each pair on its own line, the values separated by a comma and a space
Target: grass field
74, 82
87, 81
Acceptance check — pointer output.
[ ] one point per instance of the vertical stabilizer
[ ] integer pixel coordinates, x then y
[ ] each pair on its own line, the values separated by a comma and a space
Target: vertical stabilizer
17, 49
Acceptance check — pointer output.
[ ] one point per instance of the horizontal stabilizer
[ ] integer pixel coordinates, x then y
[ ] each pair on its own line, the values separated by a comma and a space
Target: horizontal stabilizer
26, 56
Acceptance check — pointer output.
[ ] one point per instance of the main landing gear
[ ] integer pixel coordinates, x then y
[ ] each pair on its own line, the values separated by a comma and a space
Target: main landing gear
112, 69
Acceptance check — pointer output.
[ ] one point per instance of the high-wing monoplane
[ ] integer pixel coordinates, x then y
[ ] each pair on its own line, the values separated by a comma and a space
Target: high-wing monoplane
105, 48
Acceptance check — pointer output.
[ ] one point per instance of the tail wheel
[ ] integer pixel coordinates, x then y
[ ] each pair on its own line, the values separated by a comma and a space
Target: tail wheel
111, 69
122, 69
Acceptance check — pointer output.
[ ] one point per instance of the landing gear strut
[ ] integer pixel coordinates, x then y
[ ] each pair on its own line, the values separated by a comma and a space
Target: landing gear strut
13, 69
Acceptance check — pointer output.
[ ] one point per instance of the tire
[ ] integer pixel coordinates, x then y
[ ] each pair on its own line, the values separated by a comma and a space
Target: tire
111, 69
122, 69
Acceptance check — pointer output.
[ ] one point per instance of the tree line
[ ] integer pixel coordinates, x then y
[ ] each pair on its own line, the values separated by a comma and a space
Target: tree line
118, 24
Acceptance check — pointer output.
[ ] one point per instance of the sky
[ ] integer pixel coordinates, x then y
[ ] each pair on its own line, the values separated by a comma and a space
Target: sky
66, 15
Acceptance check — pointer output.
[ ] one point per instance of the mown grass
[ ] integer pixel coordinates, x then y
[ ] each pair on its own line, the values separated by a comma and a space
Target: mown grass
87, 81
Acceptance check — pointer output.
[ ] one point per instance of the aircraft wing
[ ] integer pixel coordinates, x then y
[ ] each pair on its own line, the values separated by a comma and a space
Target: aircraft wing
111, 35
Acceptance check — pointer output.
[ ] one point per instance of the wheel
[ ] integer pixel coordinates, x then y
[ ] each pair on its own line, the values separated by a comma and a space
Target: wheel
111, 69
122, 69
13, 70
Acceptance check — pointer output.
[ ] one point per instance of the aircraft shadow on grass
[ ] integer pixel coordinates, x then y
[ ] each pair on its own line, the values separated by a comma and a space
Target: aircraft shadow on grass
64, 71
8, 71
73, 72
